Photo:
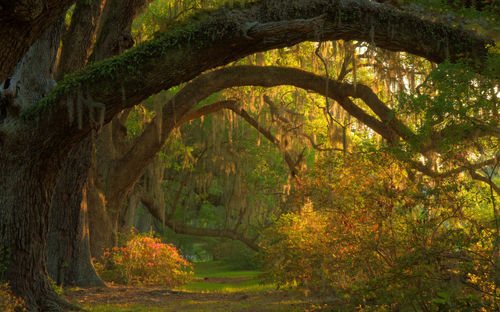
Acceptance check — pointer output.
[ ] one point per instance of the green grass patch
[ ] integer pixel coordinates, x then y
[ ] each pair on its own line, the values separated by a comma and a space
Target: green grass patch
252, 285
217, 269
244, 280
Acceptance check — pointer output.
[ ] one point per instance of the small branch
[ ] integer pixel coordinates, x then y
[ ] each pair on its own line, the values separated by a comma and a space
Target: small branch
205, 110
428, 171
182, 228
476, 176
274, 110
318, 146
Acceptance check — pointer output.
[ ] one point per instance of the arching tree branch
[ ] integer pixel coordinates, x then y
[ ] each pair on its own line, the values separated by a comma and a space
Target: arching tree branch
468, 167
150, 141
476, 176
202, 43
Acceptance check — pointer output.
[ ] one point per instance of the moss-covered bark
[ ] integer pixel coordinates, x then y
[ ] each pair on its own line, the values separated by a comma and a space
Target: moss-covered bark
215, 38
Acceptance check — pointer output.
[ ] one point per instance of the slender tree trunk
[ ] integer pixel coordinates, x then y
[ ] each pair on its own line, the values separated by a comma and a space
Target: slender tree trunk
114, 38
102, 229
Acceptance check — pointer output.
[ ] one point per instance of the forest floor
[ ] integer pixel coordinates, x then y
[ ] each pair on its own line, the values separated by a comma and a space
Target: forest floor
214, 288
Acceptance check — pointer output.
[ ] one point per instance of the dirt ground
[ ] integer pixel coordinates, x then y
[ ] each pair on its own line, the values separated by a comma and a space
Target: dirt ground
128, 298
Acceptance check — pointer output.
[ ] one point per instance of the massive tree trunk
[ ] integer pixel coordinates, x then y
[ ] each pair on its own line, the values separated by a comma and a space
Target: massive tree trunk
72, 265
69, 261
29, 168
29, 178
68, 242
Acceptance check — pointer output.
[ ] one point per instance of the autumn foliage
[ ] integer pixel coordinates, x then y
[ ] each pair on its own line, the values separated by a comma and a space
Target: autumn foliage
144, 260
383, 238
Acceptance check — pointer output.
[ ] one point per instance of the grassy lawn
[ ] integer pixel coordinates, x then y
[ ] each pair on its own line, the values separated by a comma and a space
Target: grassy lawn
217, 269
246, 286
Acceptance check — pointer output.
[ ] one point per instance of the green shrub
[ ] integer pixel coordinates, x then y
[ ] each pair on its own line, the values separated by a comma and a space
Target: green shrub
144, 260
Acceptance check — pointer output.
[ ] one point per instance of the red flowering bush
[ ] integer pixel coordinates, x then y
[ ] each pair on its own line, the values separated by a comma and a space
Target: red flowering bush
8, 302
145, 260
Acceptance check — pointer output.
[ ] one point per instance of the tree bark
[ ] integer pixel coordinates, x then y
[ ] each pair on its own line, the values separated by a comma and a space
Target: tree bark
114, 37
69, 260
22, 22
102, 228
78, 41
29, 167
68, 248
29, 179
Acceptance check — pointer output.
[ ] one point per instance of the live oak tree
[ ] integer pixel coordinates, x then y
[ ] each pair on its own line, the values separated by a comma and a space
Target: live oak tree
40, 123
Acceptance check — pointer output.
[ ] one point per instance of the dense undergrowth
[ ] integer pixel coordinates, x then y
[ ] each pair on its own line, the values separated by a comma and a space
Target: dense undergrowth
369, 232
